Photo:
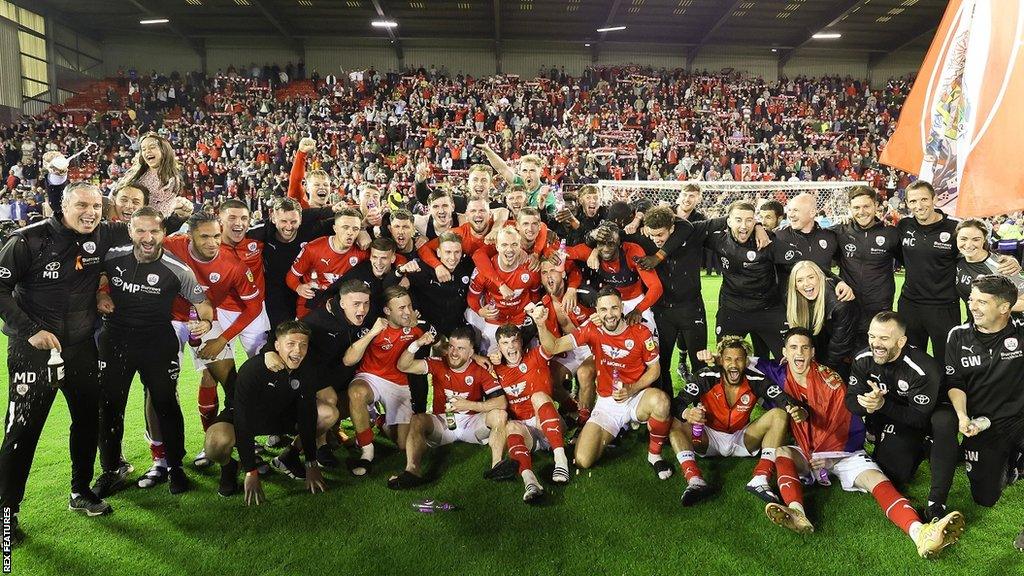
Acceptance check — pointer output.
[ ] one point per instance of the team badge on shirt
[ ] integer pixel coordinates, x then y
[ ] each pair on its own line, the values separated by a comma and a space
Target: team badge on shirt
1011, 344
880, 240
944, 237
629, 344
525, 277
214, 278
152, 279
751, 255
89, 247
294, 384
823, 243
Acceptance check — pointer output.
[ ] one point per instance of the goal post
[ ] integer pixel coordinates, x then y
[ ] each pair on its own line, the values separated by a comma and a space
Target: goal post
831, 197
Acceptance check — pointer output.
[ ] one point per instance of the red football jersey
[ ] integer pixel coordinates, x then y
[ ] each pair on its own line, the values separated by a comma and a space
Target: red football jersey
250, 253
629, 352
470, 383
223, 279
523, 380
577, 316
723, 417
318, 262
381, 357
525, 286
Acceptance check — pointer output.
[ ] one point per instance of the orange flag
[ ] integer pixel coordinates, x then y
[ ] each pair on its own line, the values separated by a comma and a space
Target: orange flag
962, 126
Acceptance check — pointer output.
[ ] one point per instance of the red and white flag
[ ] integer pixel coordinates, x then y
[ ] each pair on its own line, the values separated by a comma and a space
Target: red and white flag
962, 126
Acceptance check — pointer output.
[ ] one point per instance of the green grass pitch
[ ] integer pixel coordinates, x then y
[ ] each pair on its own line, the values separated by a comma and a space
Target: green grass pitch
615, 519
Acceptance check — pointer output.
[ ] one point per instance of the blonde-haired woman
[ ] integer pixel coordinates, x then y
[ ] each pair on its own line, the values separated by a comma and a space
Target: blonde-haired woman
156, 168
812, 304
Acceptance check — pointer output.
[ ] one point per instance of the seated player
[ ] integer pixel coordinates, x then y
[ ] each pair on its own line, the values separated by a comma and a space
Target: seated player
831, 440
722, 399
565, 315
895, 388
526, 380
491, 305
378, 378
626, 356
468, 403
270, 402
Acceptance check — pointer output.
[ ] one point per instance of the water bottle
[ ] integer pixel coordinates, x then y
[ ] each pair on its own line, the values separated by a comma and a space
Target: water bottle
431, 506
698, 429
449, 416
562, 254
616, 381
193, 316
823, 477
55, 369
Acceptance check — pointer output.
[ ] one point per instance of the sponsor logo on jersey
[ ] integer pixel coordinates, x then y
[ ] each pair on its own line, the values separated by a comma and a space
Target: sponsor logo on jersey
823, 243
52, 266
950, 370
152, 279
790, 254
198, 289
214, 278
922, 399
629, 344
725, 263
692, 389
773, 391
1011, 344
89, 247
853, 380
116, 281
326, 261
751, 255
613, 353
851, 248
294, 384
516, 389
5, 272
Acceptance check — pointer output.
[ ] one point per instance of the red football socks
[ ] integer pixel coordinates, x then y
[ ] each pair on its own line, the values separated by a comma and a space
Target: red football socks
517, 451
789, 482
207, 406
364, 438
551, 425
658, 430
896, 507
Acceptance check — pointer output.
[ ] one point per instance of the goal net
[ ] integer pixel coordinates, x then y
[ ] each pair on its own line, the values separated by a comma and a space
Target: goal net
831, 197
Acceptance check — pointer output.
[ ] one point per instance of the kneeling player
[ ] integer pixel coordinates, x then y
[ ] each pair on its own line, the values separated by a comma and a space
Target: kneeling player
721, 400
626, 356
831, 440
526, 380
268, 402
468, 403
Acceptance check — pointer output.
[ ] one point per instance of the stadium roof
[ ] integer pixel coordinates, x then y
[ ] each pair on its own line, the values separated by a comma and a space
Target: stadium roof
875, 25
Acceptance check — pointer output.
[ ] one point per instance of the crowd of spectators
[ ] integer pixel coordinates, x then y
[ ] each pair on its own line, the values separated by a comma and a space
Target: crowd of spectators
235, 132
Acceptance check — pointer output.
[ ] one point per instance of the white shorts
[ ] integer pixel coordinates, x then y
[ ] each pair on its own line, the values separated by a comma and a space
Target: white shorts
726, 444
848, 468
469, 428
647, 316
477, 321
489, 337
613, 416
540, 441
182, 331
573, 359
396, 399
253, 336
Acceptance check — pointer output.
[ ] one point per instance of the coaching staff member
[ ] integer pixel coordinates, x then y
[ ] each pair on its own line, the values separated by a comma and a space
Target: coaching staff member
49, 274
